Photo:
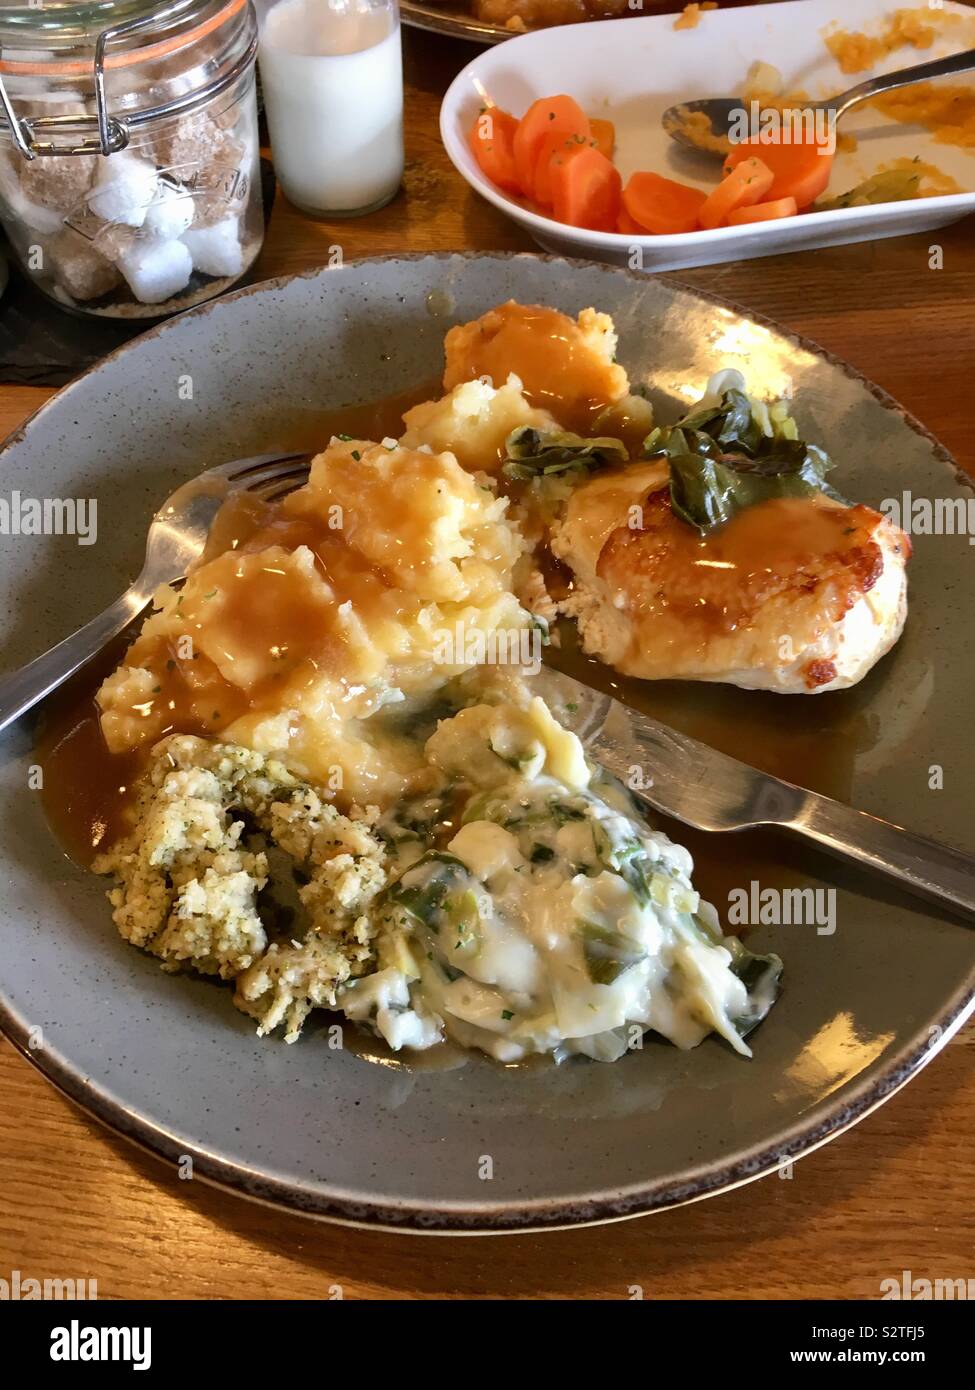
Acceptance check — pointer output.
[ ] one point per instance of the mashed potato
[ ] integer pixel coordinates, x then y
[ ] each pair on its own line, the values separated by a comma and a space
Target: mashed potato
330, 608
567, 366
473, 421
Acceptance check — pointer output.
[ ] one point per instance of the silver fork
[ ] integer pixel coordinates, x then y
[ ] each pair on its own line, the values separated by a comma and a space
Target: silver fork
684, 778
177, 535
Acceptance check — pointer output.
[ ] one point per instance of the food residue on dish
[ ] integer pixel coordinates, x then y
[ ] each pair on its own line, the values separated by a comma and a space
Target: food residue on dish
690, 15
905, 28
946, 110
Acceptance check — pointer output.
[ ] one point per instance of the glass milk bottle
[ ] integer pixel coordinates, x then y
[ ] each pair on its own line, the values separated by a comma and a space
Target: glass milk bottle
332, 75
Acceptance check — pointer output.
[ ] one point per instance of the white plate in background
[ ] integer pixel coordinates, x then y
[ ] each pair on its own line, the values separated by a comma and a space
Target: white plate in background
631, 72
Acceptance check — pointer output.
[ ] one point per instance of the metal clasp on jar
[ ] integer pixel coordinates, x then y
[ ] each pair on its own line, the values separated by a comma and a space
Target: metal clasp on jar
113, 132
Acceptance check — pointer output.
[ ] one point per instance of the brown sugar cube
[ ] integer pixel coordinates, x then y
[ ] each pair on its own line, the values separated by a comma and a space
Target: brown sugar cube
191, 143
79, 267
57, 181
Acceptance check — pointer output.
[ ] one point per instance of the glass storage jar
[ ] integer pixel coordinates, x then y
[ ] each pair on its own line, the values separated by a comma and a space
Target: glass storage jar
129, 157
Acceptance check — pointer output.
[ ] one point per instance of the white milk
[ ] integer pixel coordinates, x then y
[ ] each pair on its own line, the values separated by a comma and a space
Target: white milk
332, 75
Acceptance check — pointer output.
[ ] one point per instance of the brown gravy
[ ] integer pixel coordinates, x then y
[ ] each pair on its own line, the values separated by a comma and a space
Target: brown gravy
86, 789
545, 348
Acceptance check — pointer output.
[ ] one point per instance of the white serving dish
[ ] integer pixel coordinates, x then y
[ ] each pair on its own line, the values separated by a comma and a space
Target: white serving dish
631, 70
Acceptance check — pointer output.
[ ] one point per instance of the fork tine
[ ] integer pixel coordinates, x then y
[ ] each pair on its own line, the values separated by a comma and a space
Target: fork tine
282, 492
277, 484
240, 471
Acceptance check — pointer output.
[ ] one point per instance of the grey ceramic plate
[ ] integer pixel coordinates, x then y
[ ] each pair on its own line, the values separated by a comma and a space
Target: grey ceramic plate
170, 1063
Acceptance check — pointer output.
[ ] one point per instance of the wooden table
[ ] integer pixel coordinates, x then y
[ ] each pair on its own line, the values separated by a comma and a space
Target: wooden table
894, 1194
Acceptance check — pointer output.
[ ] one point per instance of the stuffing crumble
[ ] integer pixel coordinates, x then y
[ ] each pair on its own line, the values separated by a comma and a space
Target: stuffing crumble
187, 882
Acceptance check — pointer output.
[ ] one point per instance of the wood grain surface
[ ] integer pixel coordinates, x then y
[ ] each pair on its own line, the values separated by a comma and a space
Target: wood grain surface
892, 1195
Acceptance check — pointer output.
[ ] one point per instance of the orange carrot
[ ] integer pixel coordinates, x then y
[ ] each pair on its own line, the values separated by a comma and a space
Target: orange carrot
660, 205
558, 115
627, 226
586, 190
552, 150
492, 141
604, 134
800, 171
763, 212
747, 182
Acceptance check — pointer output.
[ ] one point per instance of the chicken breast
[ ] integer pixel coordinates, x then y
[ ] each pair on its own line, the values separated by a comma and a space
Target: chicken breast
797, 594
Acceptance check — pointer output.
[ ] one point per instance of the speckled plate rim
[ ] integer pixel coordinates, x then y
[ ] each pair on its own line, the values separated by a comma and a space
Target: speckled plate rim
456, 1219
826, 1122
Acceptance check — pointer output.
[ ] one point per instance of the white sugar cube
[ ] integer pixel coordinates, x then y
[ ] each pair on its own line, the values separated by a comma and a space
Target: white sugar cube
156, 270
216, 250
169, 214
124, 187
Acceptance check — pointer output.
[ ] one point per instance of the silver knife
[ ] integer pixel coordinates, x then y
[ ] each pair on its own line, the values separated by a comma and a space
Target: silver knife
684, 778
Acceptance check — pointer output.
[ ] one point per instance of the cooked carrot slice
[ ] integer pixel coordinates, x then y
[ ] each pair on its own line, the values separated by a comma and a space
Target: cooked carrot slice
626, 224
763, 212
558, 115
492, 141
586, 190
800, 171
661, 205
747, 183
553, 150
604, 134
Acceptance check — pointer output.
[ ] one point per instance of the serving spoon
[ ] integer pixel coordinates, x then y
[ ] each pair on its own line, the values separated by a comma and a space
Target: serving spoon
177, 537
724, 112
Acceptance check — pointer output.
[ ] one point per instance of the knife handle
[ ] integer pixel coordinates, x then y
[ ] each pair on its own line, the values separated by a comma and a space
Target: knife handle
923, 866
